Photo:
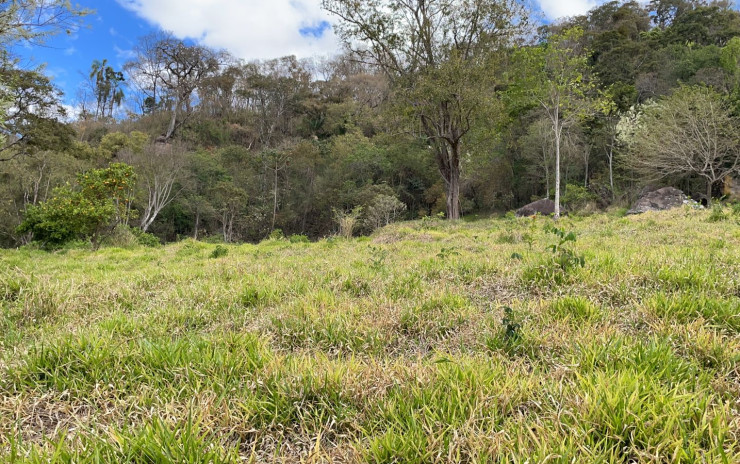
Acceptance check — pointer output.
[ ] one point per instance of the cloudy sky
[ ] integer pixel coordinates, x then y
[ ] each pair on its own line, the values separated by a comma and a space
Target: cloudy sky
249, 29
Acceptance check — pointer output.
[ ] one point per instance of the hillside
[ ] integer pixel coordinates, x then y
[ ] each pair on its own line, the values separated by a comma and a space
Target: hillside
396, 348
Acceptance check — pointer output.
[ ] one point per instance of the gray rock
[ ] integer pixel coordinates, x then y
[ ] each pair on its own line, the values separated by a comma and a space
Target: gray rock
544, 207
659, 200
732, 187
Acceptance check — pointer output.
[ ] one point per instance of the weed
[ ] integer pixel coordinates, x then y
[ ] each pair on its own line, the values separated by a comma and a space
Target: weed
445, 253
219, 252
717, 213
378, 255
298, 239
561, 261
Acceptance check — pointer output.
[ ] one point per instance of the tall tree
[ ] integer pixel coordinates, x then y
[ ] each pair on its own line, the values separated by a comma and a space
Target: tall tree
179, 69
554, 77
107, 88
438, 55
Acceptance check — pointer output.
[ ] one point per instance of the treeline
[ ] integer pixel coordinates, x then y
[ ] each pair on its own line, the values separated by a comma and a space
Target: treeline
473, 117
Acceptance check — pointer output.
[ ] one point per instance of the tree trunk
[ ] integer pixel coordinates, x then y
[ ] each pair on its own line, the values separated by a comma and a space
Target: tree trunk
451, 175
610, 154
173, 119
453, 196
275, 198
557, 167
197, 223
709, 192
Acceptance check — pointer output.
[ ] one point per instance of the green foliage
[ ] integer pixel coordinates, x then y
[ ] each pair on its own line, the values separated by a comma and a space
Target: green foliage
100, 202
559, 263
445, 253
296, 238
145, 239
717, 213
276, 234
347, 220
577, 197
219, 252
378, 255
114, 143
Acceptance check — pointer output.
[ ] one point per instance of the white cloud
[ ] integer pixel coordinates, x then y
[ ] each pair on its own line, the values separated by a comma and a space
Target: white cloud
249, 29
555, 9
123, 53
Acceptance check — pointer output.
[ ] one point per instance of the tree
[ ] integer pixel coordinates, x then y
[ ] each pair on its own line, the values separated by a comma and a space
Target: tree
537, 145
36, 20
159, 168
32, 118
177, 68
275, 161
554, 77
438, 56
689, 132
107, 88
101, 201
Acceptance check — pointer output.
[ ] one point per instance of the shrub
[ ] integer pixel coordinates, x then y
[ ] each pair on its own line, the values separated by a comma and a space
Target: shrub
100, 202
718, 213
145, 238
562, 260
219, 251
347, 220
384, 210
577, 197
298, 239
276, 234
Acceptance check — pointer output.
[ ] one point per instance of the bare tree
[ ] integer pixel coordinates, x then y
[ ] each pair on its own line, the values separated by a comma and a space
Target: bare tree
168, 65
553, 76
689, 132
159, 167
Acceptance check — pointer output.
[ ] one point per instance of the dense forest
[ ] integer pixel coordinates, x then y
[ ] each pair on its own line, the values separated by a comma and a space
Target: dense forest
433, 108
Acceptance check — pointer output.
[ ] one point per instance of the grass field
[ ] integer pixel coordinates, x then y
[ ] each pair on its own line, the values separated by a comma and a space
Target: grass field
428, 342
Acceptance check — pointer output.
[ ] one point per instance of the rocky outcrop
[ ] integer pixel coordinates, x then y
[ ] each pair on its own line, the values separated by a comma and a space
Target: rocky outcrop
659, 200
732, 187
544, 207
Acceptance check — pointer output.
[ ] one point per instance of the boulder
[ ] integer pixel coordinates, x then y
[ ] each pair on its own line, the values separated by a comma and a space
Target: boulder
732, 188
659, 200
544, 207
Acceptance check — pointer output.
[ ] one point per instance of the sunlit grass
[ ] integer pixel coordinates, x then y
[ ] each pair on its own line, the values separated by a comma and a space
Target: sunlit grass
428, 342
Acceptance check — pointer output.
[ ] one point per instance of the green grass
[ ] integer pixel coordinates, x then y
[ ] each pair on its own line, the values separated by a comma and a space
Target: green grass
393, 349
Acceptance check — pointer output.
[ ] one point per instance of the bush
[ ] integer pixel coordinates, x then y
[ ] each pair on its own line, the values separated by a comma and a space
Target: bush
384, 210
298, 239
276, 234
92, 210
145, 238
219, 252
718, 213
121, 237
577, 197
347, 221
735, 207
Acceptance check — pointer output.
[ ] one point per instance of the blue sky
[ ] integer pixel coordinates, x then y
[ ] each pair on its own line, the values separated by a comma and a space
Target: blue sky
109, 33
249, 29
